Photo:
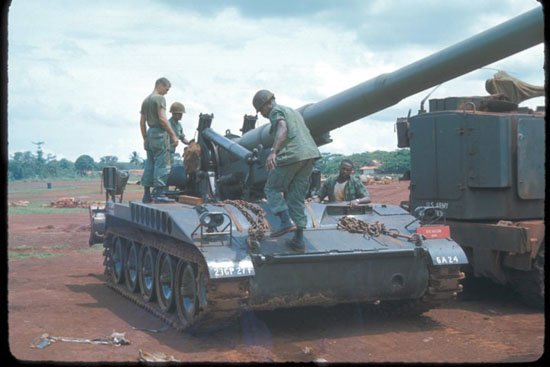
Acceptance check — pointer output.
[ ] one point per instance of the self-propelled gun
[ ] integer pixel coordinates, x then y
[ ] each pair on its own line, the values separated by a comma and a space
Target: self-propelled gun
209, 255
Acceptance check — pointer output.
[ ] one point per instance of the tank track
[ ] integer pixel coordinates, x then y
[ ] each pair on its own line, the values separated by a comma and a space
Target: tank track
443, 286
225, 299
530, 284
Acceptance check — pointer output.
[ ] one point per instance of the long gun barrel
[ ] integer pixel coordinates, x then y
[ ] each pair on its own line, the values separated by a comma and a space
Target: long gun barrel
515, 35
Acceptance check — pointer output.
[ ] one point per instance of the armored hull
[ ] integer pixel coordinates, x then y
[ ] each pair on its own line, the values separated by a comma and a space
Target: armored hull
166, 258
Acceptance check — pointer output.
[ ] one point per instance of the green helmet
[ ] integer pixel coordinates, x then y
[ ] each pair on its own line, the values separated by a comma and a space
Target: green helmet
261, 98
177, 107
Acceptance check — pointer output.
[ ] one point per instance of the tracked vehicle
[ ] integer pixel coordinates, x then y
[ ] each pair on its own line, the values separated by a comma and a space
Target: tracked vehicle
206, 257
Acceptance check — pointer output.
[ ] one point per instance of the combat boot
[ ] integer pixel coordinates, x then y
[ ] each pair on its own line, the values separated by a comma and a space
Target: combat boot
160, 196
146, 195
286, 224
297, 242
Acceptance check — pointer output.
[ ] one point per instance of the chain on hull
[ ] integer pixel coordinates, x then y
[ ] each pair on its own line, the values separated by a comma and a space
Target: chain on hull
443, 283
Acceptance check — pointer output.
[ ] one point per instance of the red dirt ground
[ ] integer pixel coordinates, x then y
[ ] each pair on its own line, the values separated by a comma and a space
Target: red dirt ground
64, 296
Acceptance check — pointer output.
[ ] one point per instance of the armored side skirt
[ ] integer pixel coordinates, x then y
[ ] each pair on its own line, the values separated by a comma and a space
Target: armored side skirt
312, 279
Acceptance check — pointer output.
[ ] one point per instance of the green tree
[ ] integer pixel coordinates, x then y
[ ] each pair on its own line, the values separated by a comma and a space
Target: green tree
84, 163
66, 168
40, 161
108, 160
397, 161
22, 166
51, 169
328, 163
66, 165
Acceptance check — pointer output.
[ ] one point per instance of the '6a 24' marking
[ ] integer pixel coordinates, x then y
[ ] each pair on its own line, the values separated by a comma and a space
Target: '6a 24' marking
441, 260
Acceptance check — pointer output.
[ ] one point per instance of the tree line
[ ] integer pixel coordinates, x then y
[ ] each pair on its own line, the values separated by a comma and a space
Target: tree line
397, 161
28, 165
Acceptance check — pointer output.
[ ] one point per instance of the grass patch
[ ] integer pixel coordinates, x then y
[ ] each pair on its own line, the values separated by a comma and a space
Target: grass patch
23, 248
14, 256
37, 209
92, 249
57, 247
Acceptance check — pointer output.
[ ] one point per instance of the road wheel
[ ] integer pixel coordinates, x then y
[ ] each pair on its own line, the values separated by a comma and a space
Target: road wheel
165, 281
132, 267
146, 274
118, 255
530, 284
186, 293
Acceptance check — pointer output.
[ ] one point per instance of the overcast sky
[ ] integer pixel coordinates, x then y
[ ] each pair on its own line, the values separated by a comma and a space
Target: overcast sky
79, 70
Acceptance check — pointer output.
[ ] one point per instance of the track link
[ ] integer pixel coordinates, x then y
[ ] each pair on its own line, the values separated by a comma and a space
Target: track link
443, 285
225, 298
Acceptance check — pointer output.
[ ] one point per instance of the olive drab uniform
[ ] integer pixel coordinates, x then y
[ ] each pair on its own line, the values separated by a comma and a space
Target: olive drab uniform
178, 130
354, 189
294, 163
157, 144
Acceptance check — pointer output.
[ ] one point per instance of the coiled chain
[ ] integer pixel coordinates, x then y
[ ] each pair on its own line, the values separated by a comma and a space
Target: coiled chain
354, 225
258, 226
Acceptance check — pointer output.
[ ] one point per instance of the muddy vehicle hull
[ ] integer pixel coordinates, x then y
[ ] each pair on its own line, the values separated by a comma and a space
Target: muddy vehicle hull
200, 278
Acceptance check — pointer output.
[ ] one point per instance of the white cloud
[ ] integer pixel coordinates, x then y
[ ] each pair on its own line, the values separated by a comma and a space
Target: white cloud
78, 72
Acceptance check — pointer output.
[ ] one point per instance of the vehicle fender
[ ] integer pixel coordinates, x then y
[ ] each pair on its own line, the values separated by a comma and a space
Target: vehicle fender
445, 252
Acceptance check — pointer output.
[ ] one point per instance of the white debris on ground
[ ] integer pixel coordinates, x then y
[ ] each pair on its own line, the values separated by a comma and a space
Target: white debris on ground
115, 339
155, 357
19, 203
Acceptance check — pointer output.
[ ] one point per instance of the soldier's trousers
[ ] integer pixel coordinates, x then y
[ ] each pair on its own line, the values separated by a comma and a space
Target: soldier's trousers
157, 165
292, 180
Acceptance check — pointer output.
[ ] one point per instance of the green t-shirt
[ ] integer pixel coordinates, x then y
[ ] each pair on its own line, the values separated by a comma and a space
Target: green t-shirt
150, 108
299, 144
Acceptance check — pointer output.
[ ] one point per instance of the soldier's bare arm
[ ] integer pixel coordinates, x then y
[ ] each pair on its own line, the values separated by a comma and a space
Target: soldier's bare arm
280, 138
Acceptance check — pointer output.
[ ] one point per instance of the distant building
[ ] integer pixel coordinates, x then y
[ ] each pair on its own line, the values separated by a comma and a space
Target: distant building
369, 170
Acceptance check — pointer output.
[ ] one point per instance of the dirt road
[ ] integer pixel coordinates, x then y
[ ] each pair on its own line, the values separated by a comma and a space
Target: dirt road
55, 286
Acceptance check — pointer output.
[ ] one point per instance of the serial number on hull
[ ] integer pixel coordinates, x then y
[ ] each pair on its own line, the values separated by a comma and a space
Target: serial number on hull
440, 260
230, 269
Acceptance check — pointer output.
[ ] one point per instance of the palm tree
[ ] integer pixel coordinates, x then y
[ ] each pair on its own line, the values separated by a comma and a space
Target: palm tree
135, 159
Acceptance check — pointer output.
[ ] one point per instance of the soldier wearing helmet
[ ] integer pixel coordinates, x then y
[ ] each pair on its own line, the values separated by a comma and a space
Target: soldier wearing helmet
157, 135
290, 164
177, 110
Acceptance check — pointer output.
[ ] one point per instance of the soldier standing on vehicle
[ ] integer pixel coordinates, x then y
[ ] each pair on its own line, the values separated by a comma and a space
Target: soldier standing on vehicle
290, 163
156, 141
344, 187
177, 110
